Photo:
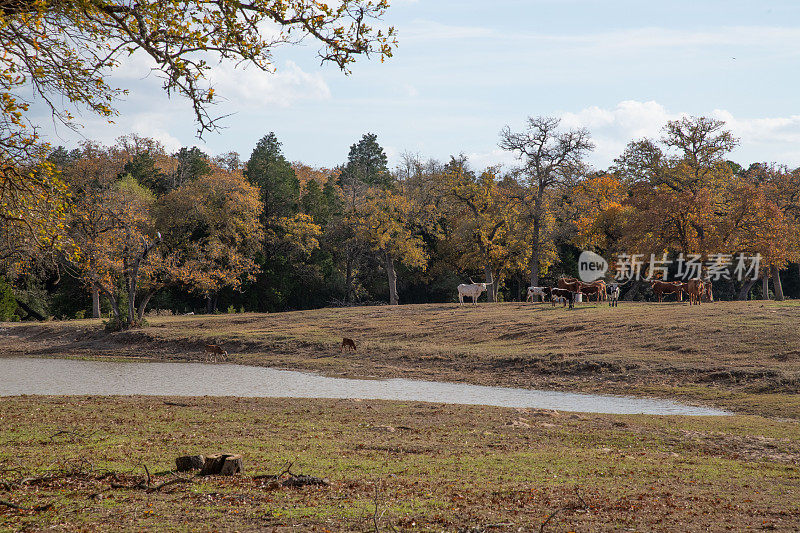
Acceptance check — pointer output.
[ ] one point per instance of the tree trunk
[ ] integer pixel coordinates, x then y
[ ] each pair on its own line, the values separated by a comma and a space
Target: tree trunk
95, 301
25, 307
392, 276
144, 302
776, 284
535, 252
765, 285
350, 291
744, 293
131, 303
491, 290
209, 305
114, 305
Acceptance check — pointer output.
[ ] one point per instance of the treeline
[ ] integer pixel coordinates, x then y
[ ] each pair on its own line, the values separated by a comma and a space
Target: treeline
142, 229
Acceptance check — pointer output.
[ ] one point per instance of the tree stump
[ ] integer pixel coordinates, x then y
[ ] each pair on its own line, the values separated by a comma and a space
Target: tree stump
189, 462
231, 466
224, 464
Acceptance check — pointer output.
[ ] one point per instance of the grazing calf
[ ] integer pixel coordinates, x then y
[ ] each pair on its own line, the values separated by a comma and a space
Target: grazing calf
470, 290
566, 294
541, 292
613, 294
212, 351
350, 344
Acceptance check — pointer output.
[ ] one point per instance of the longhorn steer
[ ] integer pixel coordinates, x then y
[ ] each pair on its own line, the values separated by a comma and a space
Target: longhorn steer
542, 292
470, 290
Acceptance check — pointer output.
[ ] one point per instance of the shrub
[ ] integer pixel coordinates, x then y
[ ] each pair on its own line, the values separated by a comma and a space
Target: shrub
80, 314
7, 302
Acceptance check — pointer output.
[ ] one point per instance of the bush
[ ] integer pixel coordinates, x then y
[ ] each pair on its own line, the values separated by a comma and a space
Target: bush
14, 318
231, 310
8, 305
80, 314
113, 324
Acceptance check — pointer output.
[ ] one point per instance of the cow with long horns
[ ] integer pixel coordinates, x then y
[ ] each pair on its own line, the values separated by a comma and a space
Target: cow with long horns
470, 290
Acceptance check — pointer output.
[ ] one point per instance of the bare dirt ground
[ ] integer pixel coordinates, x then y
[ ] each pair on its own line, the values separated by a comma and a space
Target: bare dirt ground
743, 356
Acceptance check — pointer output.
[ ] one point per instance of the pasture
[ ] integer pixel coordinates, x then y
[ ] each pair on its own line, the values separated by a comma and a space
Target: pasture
417, 466
404, 466
743, 356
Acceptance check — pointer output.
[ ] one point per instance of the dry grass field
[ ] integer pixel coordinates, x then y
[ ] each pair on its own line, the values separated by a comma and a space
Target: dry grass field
743, 356
73, 464
78, 463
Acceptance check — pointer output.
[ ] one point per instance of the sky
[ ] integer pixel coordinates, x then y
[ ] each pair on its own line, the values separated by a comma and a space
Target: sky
465, 69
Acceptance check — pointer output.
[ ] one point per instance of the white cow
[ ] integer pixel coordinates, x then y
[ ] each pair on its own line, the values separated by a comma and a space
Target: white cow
536, 291
470, 290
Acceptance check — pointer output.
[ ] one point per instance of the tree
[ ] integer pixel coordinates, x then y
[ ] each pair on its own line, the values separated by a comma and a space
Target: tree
680, 192
481, 218
119, 260
63, 52
384, 223
549, 158
212, 226
367, 163
142, 167
192, 164
598, 211
269, 170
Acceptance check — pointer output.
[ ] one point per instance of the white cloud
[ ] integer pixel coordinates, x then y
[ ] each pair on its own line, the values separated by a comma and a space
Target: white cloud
284, 87
762, 139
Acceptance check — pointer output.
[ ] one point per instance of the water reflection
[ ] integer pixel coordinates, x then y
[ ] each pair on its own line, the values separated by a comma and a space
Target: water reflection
72, 377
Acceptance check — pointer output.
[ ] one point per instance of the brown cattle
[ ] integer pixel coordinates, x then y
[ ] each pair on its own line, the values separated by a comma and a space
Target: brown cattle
660, 288
349, 344
603, 290
707, 291
568, 295
570, 284
589, 289
597, 287
694, 288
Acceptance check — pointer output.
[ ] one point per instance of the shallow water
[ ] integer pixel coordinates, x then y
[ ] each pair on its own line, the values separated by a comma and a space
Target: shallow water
73, 377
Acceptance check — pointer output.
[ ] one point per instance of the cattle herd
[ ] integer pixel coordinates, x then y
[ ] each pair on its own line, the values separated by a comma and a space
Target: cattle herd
569, 288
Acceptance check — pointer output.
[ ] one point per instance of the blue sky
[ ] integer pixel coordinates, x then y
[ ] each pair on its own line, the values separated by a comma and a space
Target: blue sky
464, 69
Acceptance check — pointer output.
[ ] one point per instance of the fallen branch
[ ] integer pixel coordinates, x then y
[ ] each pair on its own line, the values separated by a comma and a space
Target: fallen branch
167, 483
375, 517
147, 485
583, 502
286, 470
36, 508
547, 520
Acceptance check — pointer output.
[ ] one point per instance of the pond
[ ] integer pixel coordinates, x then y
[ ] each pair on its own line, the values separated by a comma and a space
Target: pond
74, 377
